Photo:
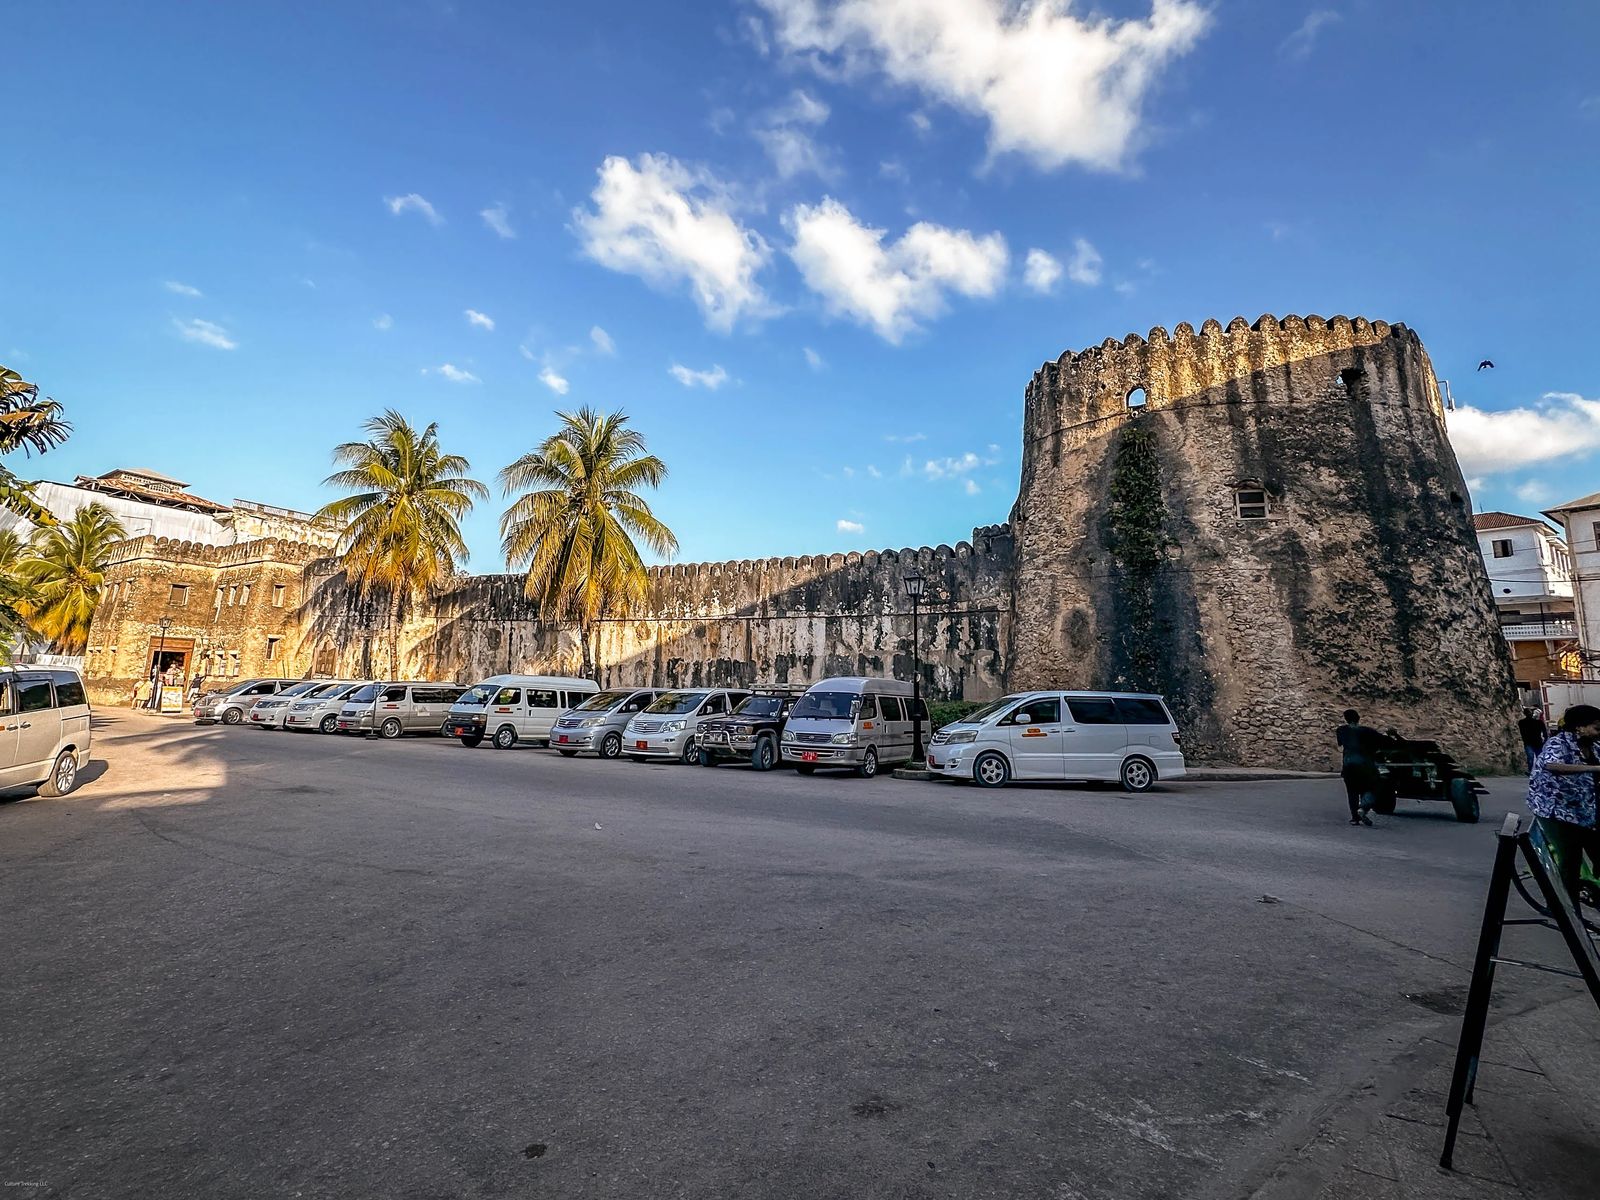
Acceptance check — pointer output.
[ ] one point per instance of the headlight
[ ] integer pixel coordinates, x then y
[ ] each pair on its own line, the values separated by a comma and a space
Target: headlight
961, 736
745, 730
591, 722
788, 736
677, 726
843, 739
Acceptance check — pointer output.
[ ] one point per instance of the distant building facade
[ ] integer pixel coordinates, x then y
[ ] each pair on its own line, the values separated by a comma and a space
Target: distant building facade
1580, 521
1530, 573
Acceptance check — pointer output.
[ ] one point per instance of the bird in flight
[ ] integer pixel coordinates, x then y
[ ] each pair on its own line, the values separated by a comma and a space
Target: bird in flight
1485, 364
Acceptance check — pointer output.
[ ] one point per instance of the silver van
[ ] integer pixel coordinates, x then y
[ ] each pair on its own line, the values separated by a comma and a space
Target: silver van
854, 722
44, 713
230, 705
666, 728
319, 713
1057, 735
399, 708
508, 709
596, 725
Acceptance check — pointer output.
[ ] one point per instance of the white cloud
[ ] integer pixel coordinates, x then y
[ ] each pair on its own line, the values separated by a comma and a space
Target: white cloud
556, 383
813, 359
890, 288
453, 373
971, 487
602, 340
481, 320
785, 134
874, 472
205, 333
1053, 86
1041, 271
383, 322
921, 123
182, 289
1086, 263
905, 437
961, 466
1534, 491
497, 218
844, 526
710, 380
1299, 44
669, 225
1560, 425
411, 202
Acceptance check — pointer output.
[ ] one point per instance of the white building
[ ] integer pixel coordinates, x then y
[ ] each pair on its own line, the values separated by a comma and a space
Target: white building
1530, 571
1580, 520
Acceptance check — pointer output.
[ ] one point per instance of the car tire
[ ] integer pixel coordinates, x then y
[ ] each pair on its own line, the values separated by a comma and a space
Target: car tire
505, 737
63, 775
472, 742
706, 759
1138, 775
391, 728
611, 745
691, 753
991, 770
1383, 801
867, 768
765, 756
1464, 800
329, 723
232, 716
569, 754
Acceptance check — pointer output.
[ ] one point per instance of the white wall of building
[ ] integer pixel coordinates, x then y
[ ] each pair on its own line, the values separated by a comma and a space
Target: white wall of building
1526, 562
138, 517
1582, 527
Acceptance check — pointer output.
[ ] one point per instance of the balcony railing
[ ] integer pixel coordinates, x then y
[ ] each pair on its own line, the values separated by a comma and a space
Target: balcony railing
1535, 631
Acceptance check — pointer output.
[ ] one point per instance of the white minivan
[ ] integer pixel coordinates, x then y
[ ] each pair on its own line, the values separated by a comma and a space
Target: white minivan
44, 729
1052, 735
853, 721
508, 709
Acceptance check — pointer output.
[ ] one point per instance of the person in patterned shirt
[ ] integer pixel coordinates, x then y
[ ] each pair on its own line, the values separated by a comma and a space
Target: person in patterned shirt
1561, 793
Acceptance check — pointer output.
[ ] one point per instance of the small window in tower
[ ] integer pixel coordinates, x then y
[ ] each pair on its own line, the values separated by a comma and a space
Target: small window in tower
233, 594
244, 594
1503, 548
278, 592
178, 597
1250, 503
1136, 398
1352, 378
272, 648
219, 598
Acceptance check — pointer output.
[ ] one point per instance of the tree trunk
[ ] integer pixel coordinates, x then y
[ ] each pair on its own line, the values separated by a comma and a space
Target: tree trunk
585, 634
394, 635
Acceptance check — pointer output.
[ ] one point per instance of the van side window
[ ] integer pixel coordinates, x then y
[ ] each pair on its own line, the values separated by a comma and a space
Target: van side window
69, 690
869, 708
508, 696
922, 709
1045, 710
5, 695
1142, 712
713, 705
542, 698
892, 710
394, 695
33, 695
1093, 712
637, 703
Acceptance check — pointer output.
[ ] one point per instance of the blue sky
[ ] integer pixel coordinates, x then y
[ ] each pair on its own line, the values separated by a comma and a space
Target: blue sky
826, 244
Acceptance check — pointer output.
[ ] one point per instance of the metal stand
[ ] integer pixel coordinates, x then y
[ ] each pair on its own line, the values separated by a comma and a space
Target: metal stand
1514, 839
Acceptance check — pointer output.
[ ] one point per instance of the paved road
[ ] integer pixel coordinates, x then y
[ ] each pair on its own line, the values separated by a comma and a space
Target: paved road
244, 964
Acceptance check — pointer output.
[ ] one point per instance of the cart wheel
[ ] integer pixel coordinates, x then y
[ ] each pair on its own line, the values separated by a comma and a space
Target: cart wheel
1383, 801
1464, 800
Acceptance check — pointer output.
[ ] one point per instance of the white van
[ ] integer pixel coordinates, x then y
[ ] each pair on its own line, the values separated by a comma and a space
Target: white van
508, 709
1053, 735
44, 729
852, 722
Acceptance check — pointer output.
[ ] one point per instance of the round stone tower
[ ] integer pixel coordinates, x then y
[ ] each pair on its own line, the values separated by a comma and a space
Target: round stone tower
1265, 523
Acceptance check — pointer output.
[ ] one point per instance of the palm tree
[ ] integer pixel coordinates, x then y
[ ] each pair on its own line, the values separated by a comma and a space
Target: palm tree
65, 569
570, 527
29, 424
15, 591
400, 532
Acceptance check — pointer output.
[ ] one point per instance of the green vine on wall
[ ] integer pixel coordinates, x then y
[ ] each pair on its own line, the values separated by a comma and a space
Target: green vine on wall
1135, 518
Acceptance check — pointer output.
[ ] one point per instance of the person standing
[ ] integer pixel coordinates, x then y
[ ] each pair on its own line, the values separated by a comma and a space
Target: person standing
1534, 733
1359, 768
141, 693
1561, 794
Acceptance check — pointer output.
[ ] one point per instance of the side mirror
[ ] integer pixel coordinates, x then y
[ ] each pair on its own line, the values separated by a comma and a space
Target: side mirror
1022, 719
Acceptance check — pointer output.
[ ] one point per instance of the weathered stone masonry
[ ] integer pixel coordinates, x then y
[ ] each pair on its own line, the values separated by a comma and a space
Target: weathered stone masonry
1126, 564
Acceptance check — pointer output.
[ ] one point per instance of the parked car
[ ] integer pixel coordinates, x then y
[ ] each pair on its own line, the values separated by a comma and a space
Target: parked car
509, 709
230, 705
751, 732
398, 708
596, 725
268, 712
48, 711
666, 729
1062, 735
860, 723
319, 713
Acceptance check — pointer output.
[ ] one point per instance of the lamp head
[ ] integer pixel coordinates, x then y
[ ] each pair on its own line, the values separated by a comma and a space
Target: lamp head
914, 582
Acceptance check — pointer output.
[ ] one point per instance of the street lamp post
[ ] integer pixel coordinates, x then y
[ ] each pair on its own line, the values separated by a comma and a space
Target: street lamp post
914, 582
164, 624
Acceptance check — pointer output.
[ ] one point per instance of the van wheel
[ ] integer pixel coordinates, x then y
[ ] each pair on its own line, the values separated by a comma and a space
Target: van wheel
473, 741
329, 723
505, 737
232, 716
868, 768
611, 745
691, 753
1138, 775
63, 776
764, 756
706, 759
391, 728
991, 770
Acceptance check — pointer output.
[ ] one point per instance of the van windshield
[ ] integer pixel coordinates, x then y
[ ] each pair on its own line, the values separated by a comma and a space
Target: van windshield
825, 706
989, 710
341, 691
300, 689
366, 695
677, 703
478, 696
602, 701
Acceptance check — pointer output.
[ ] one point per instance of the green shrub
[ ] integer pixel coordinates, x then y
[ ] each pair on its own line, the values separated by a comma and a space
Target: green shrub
947, 712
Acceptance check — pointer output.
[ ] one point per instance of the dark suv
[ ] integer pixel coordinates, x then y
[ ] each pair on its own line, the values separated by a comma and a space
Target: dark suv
751, 731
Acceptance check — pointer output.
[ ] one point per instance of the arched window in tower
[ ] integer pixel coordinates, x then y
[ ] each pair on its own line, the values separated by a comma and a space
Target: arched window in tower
1136, 399
1250, 502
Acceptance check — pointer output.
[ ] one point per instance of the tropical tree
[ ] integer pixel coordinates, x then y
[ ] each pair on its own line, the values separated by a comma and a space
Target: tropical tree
15, 591
572, 527
65, 571
29, 424
400, 528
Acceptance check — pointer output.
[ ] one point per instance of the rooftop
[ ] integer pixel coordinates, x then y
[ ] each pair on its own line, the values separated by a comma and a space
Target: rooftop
152, 487
1487, 521
1592, 500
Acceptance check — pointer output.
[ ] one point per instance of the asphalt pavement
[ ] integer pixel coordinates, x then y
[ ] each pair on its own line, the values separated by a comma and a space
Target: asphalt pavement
243, 964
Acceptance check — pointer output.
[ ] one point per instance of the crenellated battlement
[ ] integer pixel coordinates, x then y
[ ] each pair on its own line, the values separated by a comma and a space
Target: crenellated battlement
751, 568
